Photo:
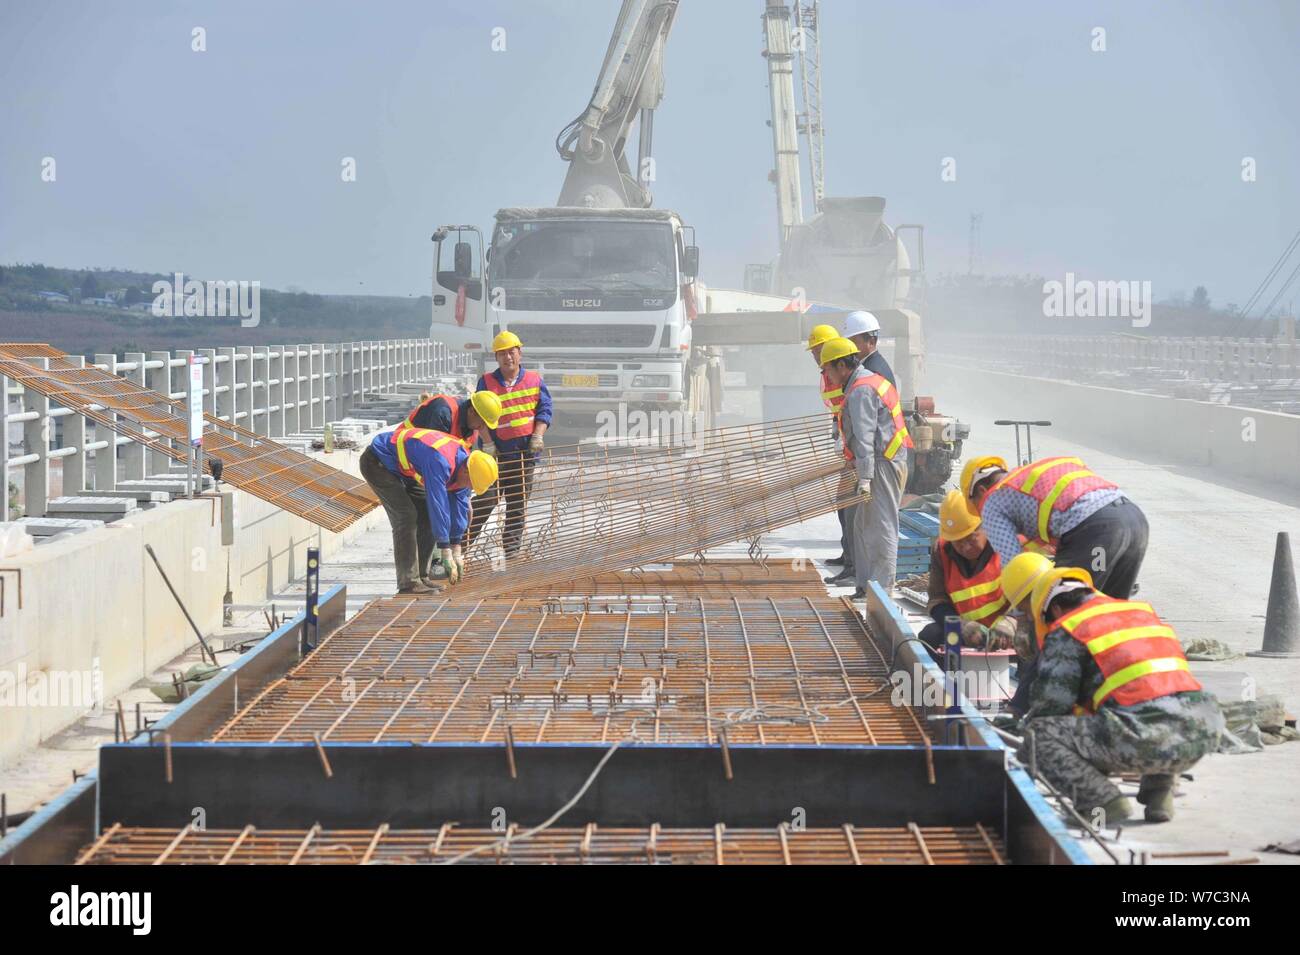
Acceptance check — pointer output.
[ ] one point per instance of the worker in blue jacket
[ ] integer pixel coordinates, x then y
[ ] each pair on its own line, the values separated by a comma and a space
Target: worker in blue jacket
442, 470
516, 440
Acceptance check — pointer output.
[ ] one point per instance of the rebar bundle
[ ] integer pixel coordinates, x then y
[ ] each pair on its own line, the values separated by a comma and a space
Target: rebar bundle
326, 496
592, 510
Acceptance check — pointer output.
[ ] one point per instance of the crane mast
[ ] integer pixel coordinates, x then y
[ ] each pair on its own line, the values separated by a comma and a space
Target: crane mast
628, 88
779, 53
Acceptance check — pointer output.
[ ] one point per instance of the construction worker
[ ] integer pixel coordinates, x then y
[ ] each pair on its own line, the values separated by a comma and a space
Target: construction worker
517, 439
445, 470
463, 418
833, 399
1113, 694
876, 443
863, 329
965, 581
1059, 504
1017, 582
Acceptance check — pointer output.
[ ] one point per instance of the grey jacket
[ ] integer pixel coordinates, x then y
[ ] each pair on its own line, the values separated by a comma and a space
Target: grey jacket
868, 426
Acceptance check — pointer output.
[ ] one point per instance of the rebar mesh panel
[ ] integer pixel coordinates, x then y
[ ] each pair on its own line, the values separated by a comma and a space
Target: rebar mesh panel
692, 578
592, 845
593, 510
434, 670
290, 480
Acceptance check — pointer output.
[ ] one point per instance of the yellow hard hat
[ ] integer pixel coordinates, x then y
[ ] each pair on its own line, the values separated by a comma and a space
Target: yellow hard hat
482, 471
488, 406
977, 469
1018, 577
955, 519
837, 348
1046, 587
505, 341
820, 335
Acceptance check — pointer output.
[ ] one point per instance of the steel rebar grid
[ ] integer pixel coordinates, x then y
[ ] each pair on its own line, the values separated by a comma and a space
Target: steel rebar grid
591, 844
593, 509
434, 670
326, 496
731, 577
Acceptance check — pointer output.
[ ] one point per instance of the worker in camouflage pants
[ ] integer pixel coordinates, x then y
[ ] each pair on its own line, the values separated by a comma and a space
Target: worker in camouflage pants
1113, 694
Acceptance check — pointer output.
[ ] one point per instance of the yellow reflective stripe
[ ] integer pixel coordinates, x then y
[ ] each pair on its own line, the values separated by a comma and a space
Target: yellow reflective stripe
1135, 672
521, 393
988, 610
895, 444
1036, 473
1045, 510
514, 422
979, 590
1106, 641
1104, 607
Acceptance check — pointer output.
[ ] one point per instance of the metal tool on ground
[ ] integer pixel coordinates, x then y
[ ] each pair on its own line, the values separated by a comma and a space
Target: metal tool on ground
1029, 440
180, 603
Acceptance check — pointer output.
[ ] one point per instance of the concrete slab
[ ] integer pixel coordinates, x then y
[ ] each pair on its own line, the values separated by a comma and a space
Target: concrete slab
49, 526
89, 505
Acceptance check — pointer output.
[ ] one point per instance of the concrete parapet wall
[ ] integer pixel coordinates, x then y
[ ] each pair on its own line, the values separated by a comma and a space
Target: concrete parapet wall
1235, 442
96, 616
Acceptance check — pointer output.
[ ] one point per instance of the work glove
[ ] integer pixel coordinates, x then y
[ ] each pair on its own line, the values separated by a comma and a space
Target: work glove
1003, 634
489, 448
459, 557
864, 489
449, 565
973, 633
535, 443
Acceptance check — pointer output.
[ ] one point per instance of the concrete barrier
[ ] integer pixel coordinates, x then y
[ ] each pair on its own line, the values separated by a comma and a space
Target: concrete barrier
1235, 442
96, 617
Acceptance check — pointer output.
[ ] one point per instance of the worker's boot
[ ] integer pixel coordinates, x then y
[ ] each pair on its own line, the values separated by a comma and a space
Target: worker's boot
418, 587
844, 575
1157, 794
435, 585
836, 561
1116, 811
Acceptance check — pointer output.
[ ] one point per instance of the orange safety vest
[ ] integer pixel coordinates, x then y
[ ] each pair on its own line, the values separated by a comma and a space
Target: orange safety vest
1138, 654
978, 597
452, 404
518, 403
440, 441
889, 395
1055, 483
832, 397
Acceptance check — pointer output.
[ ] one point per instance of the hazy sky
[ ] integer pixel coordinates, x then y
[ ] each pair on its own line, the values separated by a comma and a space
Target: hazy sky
1123, 164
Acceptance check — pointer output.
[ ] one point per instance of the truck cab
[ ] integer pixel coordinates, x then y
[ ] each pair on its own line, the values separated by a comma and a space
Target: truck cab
602, 300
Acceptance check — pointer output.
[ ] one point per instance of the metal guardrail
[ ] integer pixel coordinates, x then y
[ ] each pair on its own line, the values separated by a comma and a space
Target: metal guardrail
271, 390
1075, 357
1245, 372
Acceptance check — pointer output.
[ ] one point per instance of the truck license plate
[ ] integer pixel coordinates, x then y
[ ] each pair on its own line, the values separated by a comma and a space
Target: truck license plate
580, 381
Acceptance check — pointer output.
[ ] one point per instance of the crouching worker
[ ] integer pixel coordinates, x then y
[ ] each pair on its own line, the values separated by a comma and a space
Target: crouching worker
1113, 694
1018, 579
445, 471
965, 574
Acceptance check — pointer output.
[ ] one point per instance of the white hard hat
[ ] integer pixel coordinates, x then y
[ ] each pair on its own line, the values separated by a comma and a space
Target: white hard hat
860, 323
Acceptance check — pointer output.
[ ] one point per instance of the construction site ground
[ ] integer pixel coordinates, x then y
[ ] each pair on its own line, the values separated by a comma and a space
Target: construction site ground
1207, 571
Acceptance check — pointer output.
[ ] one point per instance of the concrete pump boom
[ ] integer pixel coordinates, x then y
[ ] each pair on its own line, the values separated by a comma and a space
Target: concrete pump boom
629, 87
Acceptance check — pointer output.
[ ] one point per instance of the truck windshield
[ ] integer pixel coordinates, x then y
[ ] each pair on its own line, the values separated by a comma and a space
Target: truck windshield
600, 255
